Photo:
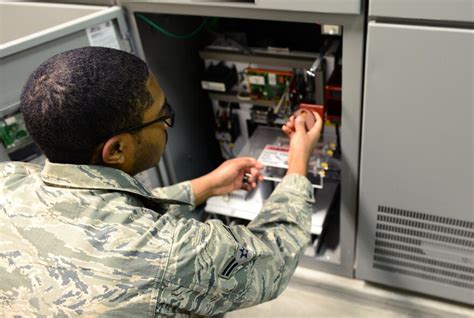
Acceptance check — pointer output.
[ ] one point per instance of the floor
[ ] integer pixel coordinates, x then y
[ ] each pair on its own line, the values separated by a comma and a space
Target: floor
316, 294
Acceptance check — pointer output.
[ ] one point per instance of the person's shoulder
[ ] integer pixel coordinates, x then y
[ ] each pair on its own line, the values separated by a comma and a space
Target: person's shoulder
10, 168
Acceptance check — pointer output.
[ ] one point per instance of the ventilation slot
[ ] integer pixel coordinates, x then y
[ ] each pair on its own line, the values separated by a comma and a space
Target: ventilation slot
430, 247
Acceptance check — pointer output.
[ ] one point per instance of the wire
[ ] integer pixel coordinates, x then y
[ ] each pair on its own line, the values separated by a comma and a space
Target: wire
283, 97
338, 139
173, 35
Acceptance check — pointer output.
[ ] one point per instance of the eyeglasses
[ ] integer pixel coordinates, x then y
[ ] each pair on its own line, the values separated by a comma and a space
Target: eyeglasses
167, 118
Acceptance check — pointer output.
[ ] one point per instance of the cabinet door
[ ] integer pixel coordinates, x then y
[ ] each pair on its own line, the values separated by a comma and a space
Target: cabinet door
449, 10
61, 27
329, 6
416, 212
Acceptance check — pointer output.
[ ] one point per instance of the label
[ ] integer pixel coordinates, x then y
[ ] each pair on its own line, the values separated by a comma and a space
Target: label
103, 35
256, 80
274, 156
10, 120
272, 79
213, 86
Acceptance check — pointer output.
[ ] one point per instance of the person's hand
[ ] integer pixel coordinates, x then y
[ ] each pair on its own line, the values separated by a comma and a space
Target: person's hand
229, 176
302, 142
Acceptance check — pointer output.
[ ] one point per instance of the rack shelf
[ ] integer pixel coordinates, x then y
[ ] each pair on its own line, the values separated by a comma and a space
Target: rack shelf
22, 143
232, 98
293, 59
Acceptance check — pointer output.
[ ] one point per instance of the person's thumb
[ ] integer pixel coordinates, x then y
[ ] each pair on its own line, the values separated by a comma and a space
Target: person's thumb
300, 124
246, 162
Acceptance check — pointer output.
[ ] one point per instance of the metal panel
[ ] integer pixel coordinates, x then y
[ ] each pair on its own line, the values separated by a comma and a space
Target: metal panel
86, 2
449, 10
19, 66
51, 16
323, 6
416, 212
333, 6
290, 60
34, 44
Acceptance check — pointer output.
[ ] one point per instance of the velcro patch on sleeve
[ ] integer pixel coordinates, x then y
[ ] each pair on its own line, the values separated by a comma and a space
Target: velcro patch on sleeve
242, 256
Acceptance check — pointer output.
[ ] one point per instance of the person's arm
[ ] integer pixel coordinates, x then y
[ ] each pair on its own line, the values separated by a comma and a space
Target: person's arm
225, 179
183, 192
216, 268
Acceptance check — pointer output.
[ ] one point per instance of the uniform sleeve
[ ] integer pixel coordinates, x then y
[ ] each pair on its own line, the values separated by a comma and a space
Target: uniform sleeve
182, 192
214, 268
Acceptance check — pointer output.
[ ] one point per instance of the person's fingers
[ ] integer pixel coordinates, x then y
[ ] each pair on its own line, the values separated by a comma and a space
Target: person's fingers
246, 162
291, 122
319, 120
300, 124
246, 187
287, 131
255, 172
318, 125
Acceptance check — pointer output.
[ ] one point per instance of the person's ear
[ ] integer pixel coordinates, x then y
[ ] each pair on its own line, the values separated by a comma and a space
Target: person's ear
113, 152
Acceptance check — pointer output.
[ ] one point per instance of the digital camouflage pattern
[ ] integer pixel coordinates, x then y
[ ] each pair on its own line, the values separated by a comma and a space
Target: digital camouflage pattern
92, 241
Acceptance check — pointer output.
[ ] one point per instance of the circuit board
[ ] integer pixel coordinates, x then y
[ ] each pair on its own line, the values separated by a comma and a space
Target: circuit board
267, 84
12, 130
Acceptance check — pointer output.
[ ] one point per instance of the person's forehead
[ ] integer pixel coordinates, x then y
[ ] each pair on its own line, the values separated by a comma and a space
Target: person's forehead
156, 91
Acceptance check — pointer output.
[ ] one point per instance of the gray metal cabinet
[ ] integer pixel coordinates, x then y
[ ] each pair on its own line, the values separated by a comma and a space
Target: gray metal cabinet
446, 10
60, 28
416, 213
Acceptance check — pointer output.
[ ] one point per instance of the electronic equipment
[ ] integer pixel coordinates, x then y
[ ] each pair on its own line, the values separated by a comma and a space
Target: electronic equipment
13, 131
261, 114
220, 77
268, 84
16, 144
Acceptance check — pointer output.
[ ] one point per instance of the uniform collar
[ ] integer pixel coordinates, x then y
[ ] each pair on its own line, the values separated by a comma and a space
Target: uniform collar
93, 177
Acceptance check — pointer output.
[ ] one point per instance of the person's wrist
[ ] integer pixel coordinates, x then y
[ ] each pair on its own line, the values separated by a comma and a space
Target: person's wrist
203, 188
211, 183
298, 163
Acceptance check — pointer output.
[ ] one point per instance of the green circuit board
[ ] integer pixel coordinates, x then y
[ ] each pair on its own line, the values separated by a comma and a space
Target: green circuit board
267, 84
12, 130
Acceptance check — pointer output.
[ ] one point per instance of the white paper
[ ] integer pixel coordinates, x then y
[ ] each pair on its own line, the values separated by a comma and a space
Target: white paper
103, 35
272, 79
274, 156
256, 80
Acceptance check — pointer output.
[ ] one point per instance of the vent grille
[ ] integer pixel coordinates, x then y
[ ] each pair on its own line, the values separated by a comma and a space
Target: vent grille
431, 247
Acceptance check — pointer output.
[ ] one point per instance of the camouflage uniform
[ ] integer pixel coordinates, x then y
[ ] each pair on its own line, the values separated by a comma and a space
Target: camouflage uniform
92, 241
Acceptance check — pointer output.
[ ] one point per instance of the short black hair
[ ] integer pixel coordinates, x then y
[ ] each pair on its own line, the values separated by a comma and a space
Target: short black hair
78, 98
